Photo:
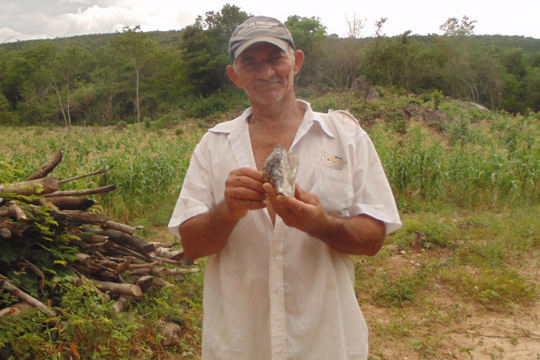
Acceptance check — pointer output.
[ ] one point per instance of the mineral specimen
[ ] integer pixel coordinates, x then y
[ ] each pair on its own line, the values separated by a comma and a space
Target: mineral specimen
280, 170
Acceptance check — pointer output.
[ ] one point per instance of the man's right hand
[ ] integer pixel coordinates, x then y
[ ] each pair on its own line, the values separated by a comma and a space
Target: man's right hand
207, 233
244, 192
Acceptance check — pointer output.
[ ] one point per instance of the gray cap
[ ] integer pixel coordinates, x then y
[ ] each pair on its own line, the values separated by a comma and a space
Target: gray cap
259, 29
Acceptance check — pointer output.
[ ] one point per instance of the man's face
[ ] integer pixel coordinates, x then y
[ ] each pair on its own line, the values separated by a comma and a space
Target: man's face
265, 72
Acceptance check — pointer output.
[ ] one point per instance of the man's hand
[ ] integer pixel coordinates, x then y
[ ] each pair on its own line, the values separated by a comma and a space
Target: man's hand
301, 212
359, 235
207, 233
244, 192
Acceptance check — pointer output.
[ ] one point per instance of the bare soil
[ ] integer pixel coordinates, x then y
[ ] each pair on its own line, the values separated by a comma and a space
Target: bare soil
442, 326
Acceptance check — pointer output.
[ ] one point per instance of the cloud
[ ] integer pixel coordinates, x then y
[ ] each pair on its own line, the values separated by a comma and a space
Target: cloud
10, 35
94, 20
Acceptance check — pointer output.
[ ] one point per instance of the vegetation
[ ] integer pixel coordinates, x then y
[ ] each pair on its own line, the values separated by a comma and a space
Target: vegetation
466, 179
467, 187
133, 76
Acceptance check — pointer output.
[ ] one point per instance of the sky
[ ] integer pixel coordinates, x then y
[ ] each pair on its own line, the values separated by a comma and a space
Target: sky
41, 19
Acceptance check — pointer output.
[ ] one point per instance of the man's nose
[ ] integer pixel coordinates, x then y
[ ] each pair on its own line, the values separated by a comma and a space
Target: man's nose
265, 70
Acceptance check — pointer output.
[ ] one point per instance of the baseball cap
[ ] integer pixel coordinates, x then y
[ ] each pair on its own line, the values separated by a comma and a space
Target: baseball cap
259, 29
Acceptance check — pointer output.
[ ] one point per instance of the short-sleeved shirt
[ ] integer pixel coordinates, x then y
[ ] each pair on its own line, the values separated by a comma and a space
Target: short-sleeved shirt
274, 292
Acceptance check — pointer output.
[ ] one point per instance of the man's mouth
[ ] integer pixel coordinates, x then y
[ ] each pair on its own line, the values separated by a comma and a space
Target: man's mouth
265, 83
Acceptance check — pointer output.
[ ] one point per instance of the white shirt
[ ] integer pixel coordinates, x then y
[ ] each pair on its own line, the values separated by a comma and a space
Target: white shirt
274, 292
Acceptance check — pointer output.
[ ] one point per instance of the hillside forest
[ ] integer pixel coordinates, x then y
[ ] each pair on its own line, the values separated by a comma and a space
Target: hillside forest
135, 76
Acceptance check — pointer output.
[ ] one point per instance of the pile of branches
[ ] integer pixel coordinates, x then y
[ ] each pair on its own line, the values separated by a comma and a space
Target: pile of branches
45, 231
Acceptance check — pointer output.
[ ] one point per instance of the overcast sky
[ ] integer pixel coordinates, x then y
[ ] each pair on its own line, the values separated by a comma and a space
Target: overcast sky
39, 19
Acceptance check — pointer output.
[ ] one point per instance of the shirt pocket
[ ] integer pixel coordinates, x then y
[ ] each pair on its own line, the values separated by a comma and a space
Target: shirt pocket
334, 189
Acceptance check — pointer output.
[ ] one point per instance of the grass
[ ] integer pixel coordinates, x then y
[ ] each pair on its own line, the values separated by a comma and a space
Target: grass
468, 193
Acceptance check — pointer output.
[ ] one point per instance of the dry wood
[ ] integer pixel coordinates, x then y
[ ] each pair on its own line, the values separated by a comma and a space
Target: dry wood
169, 253
120, 227
43, 202
102, 171
182, 262
119, 289
154, 270
85, 281
17, 309
121, 238
177, 271
163, 244
5, 233
25, 297
49, 166
84, 258
71, 203
98, 190
18, 213
32, 187
121, 250
161, 283
145, 281
123, 266
36, 271
145, 265
108, 249
13, 228
85, 217
92, 238
120, 304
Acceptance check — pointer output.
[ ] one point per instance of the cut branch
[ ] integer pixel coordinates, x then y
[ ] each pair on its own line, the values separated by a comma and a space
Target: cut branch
71, 203
120, 227
119, 289
102, 171
47, 167
99, 190
25, 297
32, 187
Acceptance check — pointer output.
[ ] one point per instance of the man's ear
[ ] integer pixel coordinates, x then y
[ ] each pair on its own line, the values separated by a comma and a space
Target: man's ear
231, 73
298, 61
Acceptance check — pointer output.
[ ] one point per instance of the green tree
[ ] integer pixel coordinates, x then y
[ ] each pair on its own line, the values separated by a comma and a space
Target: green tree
204, 50
28, 86
308, 35
532, 89
63, 72
338, 65
138, 48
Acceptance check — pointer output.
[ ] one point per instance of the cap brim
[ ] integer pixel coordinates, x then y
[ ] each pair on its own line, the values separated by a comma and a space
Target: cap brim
282, 44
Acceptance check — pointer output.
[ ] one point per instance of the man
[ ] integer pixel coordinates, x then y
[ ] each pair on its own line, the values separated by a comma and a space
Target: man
279, 282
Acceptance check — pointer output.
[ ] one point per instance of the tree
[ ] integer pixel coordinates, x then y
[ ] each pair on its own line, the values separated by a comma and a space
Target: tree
453, 26
308, 35
378, 27
355, 27
204, 50
63, 72
138, 48
532, 89
27, 86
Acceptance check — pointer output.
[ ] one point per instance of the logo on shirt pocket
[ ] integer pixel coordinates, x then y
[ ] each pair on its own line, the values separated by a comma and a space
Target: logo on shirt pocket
334, 161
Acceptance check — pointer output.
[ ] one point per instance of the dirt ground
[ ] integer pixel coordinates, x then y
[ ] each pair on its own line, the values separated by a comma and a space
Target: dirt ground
440, 327
473, 335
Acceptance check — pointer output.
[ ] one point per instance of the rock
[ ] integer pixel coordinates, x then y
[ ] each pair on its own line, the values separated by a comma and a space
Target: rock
280, 170
171, 331
364, 88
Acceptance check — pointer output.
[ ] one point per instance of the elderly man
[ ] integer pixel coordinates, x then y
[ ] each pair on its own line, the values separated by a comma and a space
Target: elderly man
279, 281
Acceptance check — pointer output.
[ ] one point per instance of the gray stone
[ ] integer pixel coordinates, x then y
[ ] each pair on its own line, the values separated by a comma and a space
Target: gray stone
280, 170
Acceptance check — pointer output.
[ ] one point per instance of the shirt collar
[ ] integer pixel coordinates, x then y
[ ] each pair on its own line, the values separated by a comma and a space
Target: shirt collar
235, 127
311, 117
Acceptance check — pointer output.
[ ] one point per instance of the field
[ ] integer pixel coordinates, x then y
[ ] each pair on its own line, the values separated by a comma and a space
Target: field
460, 280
